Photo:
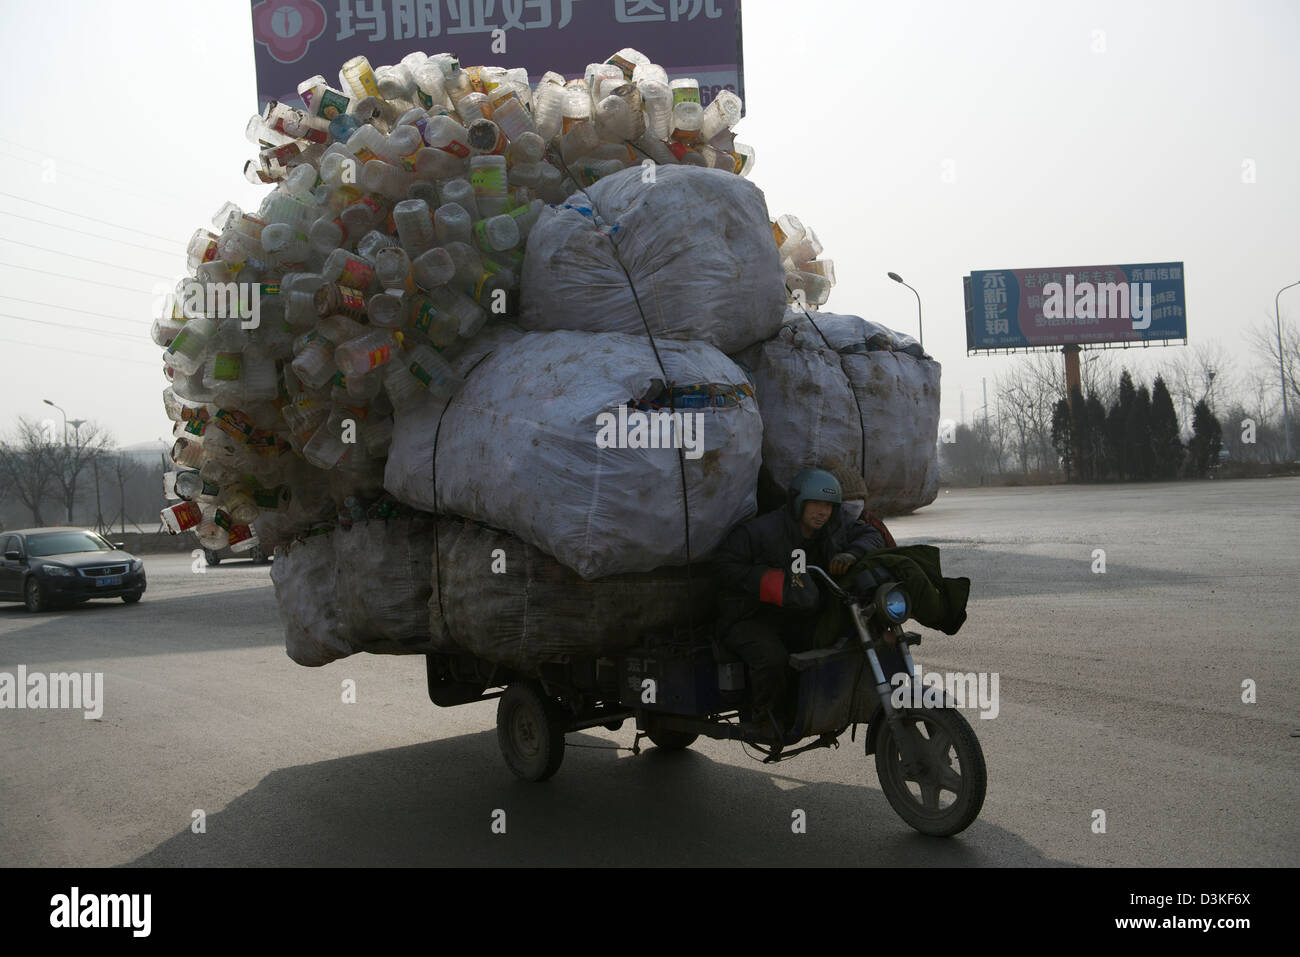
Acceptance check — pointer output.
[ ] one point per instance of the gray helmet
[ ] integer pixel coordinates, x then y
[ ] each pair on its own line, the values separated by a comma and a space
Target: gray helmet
813, 485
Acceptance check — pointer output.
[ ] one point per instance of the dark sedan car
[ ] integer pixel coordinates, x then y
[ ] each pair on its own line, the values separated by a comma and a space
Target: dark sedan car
42, 567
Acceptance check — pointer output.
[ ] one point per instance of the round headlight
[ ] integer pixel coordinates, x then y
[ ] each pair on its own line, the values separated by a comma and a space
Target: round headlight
895, 606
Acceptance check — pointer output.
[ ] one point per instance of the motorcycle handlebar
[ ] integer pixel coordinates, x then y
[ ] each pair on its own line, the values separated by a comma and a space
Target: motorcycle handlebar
830, 581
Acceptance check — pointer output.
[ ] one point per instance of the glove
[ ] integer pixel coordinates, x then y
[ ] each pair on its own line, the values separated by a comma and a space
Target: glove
842, 563
788, 590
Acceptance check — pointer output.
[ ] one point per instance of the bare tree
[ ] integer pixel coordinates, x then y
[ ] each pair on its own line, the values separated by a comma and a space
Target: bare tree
1203, 371
1263, 342
73, 457
28, 466
126, 471
1025, 397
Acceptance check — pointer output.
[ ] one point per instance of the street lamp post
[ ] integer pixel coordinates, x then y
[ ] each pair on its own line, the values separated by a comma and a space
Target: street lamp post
919, 328
1281, 366
65, 419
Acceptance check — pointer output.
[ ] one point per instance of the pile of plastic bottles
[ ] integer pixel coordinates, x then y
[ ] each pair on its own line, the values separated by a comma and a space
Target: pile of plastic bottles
395, 231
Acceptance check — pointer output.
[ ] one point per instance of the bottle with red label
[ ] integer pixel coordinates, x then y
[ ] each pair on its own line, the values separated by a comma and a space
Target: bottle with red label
358, 356
182, 517
333, 299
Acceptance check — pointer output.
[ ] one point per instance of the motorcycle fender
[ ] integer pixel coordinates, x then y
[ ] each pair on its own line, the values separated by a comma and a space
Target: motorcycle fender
874, 724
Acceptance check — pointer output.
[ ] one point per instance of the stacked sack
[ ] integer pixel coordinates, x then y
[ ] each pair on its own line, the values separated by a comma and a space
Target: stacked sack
404, 202
473, 312
847, 393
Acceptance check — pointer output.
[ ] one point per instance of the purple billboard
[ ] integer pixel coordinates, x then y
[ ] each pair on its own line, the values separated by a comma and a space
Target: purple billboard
297, 39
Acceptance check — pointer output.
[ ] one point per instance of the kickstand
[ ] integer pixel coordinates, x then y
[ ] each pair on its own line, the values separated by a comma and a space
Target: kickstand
636, 742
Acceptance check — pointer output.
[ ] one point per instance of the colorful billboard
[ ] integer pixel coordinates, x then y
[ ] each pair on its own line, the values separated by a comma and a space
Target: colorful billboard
1074, 305
297, 39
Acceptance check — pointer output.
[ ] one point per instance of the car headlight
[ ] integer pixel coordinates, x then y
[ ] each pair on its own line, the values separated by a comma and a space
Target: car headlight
894, 604
136, 564
59, 571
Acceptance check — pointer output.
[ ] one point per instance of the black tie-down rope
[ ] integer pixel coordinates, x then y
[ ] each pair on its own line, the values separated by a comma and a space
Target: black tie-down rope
433, 470
672, 405
862, 422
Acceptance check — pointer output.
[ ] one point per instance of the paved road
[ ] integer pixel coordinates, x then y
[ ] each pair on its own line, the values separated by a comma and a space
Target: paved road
1119, 692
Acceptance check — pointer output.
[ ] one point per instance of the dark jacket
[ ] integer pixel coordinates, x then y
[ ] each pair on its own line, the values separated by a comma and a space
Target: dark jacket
761, 544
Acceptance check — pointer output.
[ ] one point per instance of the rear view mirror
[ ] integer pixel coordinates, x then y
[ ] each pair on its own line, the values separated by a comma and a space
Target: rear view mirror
119, 545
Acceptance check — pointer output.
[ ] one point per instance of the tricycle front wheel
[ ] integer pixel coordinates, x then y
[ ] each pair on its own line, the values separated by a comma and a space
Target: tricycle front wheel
944, 795
530, 731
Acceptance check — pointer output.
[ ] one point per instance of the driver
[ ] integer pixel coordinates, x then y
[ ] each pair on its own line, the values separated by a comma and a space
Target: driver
766, 609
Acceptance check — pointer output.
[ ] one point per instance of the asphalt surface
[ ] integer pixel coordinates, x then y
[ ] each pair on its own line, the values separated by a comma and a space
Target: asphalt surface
1119, 692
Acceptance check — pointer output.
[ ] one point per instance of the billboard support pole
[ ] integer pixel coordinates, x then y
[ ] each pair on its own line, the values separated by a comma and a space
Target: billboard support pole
1073, 381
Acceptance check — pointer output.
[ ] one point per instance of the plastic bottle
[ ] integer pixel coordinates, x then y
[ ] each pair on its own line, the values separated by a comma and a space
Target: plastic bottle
388, 309
549, 99
414, 226
358, 356
333, 299
359, 78
468, 262
496, 233
658, 99
461, 191
451, 223
525, 217
370, 244
348, 269
444, 133
508, 112
577, 108
487, 174
433, 373
285, 247
687, 119
602, 78
577, 141
627, 60
435, 267
789, 233
528, 147
185, 354
182, 517
430, 90
439, 327
325, 447
616, 121
474, 106
470, 316
722, 114
385, 180
314, 364
685, 90
322, 100
403, 389
486, 137
213, 531
393, 267
259, 376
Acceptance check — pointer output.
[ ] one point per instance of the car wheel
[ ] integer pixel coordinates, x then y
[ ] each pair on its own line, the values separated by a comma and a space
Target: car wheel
211, 557
34, 596
132, 598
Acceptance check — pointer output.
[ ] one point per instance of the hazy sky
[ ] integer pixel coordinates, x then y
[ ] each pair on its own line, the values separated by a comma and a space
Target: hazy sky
1064, 146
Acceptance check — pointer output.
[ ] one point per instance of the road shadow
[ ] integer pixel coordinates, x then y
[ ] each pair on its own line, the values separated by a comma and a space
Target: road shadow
434, 804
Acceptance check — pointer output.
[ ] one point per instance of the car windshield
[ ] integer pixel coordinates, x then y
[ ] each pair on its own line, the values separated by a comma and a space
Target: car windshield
62, 543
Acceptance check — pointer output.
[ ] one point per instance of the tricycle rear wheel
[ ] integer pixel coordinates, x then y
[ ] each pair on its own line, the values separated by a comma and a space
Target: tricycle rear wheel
942, 735
530, 731
667, 740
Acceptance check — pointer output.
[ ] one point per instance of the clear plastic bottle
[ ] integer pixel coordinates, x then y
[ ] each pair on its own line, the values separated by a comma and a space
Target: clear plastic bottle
333, 299
314, 364
497, 233
435, 267
373, 241
486, 137
474, 106
385, 180
658, 99
259, 376
326, 447
393, 267
446, 134
403, 389
687, 119
601, 80
213, 531
549, 99
433, 372
627, 60
461, 191
414, 226
470, 316
439, 327
508, 112
358, 356
359, 78
468, 262
487, 174
285, 247
722, 114
322, 100
348, 269
577, 108
685, 90
388, 309
431, 91
452, 224
185, 354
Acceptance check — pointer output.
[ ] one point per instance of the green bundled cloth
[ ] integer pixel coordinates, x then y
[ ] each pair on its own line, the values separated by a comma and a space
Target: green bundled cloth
937, 602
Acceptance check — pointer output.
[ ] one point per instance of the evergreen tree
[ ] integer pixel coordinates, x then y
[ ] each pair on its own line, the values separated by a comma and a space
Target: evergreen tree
1207, 440
1166, 445
1117, 428
1097, 437
1137, 436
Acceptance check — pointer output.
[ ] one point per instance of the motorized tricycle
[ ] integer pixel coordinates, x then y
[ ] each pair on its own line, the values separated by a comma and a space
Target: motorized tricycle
928, 759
